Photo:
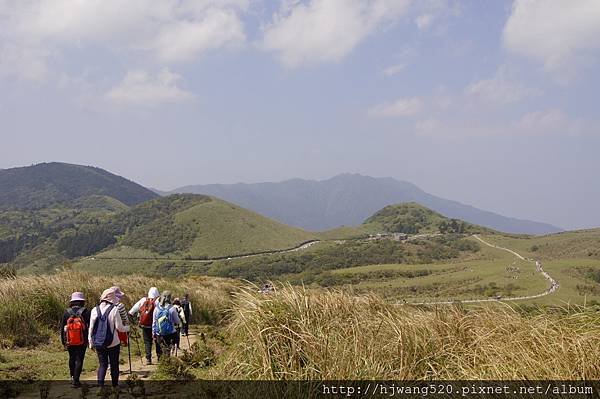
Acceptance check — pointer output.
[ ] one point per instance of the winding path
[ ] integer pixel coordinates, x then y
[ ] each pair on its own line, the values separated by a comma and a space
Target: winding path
553, 287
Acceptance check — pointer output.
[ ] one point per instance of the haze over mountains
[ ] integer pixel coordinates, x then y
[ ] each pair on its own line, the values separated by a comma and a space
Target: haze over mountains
344, 200
348, 199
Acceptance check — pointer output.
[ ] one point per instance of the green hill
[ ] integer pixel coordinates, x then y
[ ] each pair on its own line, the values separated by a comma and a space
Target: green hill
48, 184
197, 226
103, 202
413, 218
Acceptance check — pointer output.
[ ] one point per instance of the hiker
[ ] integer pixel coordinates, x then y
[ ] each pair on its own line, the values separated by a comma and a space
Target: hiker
164, 321
181, 314
145, 309
74, 334
123, 336
266, 289
187, 312
105, 323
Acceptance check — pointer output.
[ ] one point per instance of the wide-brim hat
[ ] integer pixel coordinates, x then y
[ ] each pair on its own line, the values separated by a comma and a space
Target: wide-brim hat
77, 296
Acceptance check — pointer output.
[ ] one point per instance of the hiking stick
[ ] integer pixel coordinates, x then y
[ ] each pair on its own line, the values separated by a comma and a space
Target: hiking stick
137, 343
129, 352
188, 340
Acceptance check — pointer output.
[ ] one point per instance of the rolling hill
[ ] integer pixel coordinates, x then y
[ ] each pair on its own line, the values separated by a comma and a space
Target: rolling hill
348, 199
413, 218
197, 226
47, 184
182, 226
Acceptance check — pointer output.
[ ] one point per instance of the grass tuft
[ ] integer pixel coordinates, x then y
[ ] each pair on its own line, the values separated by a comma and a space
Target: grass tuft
296, 333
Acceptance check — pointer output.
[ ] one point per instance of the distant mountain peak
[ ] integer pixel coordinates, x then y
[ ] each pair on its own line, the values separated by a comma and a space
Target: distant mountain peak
347, 199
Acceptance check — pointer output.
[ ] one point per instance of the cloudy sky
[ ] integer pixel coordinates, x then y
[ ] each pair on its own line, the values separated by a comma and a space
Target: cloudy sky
495, 104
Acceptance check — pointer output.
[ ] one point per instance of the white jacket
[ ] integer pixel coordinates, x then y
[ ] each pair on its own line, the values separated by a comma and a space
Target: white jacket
115, 323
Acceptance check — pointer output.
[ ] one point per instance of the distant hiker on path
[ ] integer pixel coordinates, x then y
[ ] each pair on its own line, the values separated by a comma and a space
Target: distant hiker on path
106, 322
187, 312
181, 314
74, 334
164, 321
145, 309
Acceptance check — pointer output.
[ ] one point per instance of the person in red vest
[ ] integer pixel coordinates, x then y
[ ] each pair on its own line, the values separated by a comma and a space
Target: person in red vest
74, 334
144, 308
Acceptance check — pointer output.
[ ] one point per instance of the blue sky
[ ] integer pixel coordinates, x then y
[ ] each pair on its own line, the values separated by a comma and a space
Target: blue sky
494, 104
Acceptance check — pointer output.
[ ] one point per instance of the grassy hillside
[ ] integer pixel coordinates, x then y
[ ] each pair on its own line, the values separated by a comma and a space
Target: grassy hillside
571, 257
412, 218
37, 238
487, 273
197, 227
580, 244
48, 184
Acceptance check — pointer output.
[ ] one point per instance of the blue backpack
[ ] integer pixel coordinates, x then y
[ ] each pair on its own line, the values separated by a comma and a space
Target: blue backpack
163, 321
102, 336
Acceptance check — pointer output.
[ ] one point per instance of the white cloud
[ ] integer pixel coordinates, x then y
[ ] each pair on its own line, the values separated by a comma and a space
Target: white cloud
435, 14
394, 69
552, 121
404, 107
556, 32
183, 40
139, 88
500, 89
168, 31
318, 31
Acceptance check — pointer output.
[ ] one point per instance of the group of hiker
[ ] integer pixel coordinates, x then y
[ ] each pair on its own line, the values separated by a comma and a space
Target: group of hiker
107, 326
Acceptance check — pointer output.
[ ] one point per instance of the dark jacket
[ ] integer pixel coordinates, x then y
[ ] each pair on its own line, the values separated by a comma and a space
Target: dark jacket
86, 319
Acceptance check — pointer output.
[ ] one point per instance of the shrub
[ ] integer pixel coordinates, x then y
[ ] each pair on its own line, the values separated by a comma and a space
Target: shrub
173, 368
200, 355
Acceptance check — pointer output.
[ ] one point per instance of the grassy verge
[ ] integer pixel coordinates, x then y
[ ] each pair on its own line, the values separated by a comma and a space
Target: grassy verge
32, 307
302, 334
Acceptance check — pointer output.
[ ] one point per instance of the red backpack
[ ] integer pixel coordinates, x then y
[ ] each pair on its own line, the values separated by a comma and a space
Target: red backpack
75, 328
147, 312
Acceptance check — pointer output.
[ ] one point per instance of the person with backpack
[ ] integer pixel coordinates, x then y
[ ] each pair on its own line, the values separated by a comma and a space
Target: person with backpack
164, 321
181, 314
105, 324
74, 334
123, 336
144, 308
187, 311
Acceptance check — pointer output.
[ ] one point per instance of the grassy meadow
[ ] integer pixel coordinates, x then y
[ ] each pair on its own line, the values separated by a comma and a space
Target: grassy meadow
302, 333
417, 271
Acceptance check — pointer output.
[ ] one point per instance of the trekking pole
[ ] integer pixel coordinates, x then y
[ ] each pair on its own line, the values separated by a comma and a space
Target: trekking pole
137, 343
129, 352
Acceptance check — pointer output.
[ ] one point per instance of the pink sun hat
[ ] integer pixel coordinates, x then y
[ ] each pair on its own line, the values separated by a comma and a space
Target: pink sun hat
77, 296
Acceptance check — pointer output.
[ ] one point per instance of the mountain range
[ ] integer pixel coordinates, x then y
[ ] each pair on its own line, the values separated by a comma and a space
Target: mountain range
348, 199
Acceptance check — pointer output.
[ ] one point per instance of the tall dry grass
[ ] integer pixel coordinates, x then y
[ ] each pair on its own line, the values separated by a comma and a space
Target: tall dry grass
31, 306
295, 333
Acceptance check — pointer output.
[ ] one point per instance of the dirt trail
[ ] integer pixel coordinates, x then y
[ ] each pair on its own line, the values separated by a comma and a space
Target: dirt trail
138, 365
553, 287
88, 378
